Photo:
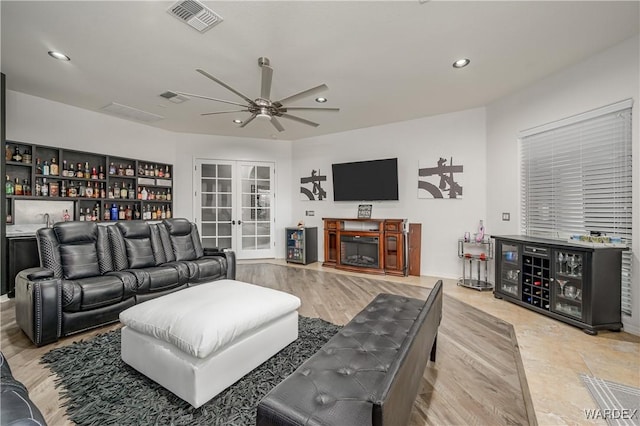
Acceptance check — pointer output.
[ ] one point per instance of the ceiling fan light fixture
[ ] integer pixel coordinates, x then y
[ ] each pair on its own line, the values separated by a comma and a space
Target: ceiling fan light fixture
59, 55
321, 100
461, 63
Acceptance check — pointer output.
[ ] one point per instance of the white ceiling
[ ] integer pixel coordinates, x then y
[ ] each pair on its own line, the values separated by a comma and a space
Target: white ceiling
384, 61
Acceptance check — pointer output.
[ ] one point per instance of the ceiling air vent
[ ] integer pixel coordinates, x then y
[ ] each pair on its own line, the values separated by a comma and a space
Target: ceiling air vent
195, 14
174, 97
131, 113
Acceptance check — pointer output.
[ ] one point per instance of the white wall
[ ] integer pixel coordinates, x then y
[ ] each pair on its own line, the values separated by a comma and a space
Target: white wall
459, 135
611, 76
36, 120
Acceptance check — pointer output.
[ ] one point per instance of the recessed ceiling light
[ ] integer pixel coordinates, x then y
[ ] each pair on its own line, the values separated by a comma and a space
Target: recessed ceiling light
321, 100
461, 63
237, 121
58, 55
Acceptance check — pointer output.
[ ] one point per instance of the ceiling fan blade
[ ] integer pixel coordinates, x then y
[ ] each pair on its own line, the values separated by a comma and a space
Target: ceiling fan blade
248, 120
300, 120
303, 94
276, 124
311, 109
226, 86
211, 99
225, 112
267, 76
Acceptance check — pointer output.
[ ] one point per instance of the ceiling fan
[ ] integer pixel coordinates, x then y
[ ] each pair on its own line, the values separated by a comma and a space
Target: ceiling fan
264, 107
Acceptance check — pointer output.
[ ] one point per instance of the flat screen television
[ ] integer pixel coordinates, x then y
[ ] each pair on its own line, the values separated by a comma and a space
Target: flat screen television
374, 180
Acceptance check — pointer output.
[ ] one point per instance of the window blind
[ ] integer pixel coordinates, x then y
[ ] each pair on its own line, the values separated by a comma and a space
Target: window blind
576, 178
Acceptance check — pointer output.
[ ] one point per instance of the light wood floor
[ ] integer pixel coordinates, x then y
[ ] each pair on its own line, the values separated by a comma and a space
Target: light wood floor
478, 377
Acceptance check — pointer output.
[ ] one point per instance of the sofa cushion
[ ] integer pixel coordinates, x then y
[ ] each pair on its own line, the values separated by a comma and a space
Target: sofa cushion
184, 241
156, 278
89, 293
137, 242
79, 260
209, 268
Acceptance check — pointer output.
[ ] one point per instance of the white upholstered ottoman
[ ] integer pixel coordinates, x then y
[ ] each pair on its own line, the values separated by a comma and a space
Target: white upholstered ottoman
198, 341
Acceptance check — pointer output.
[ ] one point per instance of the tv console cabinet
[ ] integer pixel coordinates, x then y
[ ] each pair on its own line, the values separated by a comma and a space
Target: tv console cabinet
374, 246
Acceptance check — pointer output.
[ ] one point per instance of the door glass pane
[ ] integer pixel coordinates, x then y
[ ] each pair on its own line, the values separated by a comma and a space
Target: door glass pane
224, 171
224, 214
224, 243
249, 243
224, 200
224, 185
208, 170
263, 172
209, 242
208, 214
263, 243
264, 228
248, 214
209, 229
208, 200
248, 229
208, 185
224, 229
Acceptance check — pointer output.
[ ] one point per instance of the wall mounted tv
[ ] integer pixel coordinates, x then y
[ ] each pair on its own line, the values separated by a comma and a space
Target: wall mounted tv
374, 180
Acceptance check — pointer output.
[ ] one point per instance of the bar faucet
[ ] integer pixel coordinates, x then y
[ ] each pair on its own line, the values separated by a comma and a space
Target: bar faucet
47, 220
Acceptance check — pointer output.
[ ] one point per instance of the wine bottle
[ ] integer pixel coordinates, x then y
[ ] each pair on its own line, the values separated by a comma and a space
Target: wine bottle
114, 212
53, 169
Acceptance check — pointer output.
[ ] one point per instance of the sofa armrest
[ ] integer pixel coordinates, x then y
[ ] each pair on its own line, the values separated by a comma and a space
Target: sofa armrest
230, 257
39, 305
16, 408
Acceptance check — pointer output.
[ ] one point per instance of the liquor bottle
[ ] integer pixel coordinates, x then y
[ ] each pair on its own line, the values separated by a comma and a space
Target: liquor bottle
72, 191
72, 170
129, 171
128, 213
103, 192
101, 172
87, 170
8, 186
145, 194
156, 172
45, 168
8, 154
94, 173
79, 172
26, 156
154, 214
45, 188
107, 213
163, 213
82, 216
26, 188
112, 169
89, 191
38, 167
114, 212
124, 193
140, 170
17, 157
169, 194
480, 234
65, 169
169, 212
82, 190
167, 174
147, 172
17, 188
158, 213
110, 193
38, 188
53, 169
120, 170
132, 193
116, 190
63, 189
66, 217
161, 172
121, 214
151, 195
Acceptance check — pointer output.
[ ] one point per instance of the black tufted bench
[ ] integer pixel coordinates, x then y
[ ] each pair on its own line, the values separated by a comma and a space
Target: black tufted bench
367, 374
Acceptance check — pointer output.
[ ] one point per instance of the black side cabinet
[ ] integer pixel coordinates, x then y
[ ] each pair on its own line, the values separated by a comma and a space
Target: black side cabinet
574, 283
302, 245
22, 253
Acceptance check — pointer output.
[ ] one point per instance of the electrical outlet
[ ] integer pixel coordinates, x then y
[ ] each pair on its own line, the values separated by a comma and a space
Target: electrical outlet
506, 217
309, 213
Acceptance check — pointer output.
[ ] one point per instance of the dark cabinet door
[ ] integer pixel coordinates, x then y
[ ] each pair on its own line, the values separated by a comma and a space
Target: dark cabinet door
22, 253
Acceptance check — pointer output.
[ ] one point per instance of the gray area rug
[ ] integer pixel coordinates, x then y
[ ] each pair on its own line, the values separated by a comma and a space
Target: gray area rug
100, 389
619, 404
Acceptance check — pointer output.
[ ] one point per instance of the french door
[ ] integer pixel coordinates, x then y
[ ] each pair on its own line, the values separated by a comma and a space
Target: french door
233, 206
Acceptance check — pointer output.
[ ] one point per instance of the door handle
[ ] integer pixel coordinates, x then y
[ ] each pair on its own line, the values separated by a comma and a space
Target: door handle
233, 222
239, 222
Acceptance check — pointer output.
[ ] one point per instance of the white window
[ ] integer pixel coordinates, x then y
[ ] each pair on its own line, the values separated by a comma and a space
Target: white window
576, 178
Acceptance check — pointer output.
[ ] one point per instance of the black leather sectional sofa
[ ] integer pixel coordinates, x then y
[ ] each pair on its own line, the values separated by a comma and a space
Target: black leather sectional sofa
16, 408
90, 273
